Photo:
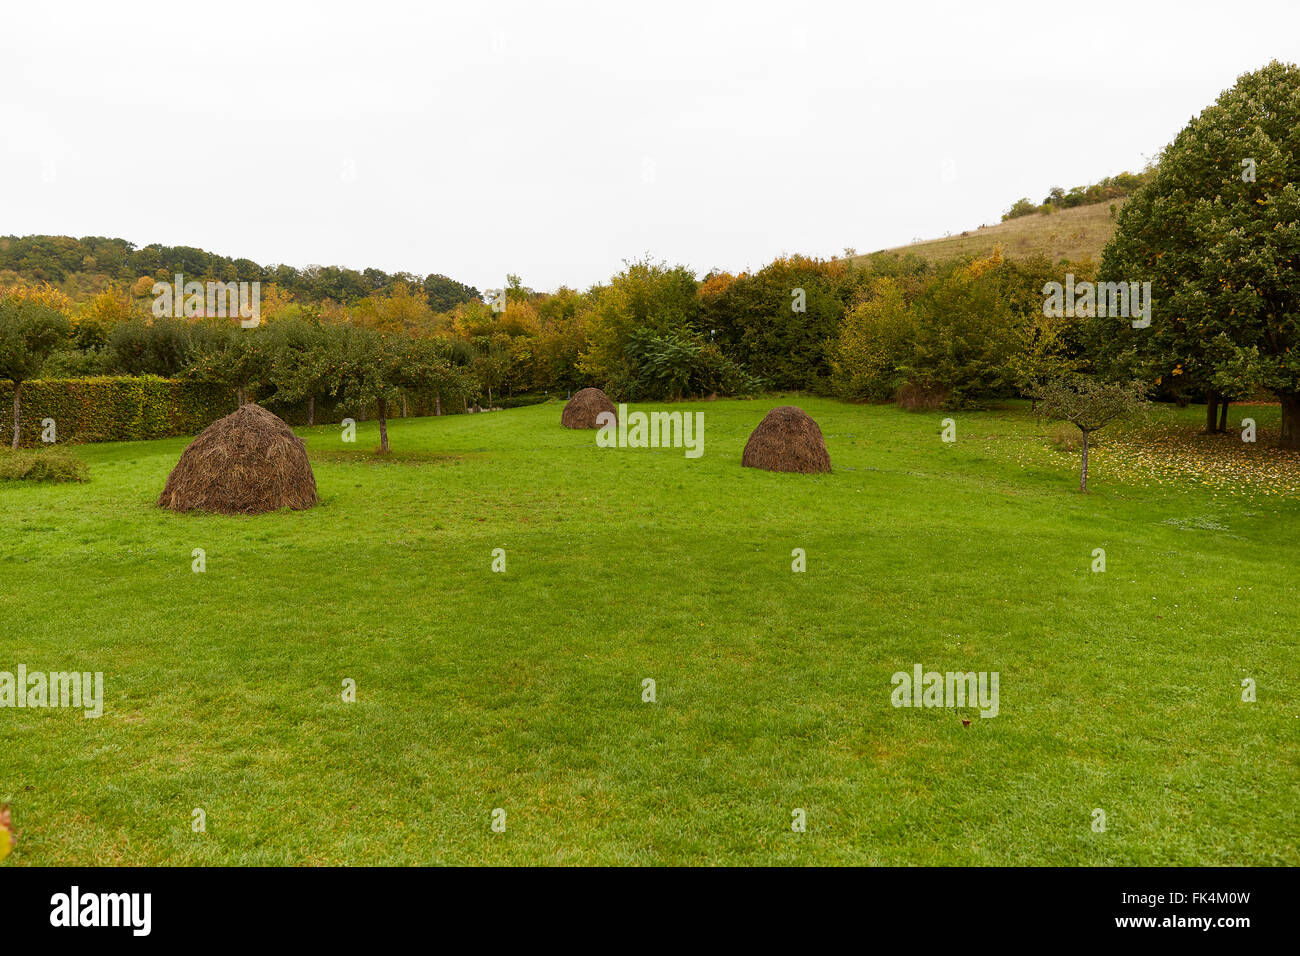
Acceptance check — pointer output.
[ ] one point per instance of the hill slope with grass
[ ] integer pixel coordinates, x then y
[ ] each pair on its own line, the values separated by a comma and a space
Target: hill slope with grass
1068, 234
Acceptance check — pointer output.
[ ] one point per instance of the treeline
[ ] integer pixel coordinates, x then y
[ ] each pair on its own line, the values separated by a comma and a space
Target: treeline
82, 267
1112, 187
957, 330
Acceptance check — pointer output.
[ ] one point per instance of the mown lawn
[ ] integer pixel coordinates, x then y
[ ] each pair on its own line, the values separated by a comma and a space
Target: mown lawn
523, 691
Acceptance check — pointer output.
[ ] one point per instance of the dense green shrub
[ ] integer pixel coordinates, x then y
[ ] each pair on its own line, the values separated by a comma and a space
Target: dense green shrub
677, 364
51, 464
959, 335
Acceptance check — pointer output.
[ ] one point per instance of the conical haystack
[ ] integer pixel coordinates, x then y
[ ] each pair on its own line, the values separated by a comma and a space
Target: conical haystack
246, 463
787, 440
582, 409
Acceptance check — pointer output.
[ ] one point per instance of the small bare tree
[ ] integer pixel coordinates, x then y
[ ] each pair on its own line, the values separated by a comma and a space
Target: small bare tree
1088, 404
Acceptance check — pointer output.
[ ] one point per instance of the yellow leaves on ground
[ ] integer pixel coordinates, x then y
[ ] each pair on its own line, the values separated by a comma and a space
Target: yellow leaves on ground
6, 832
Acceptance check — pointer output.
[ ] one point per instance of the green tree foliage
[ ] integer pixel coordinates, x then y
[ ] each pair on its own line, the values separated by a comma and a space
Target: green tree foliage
873, 356
1021, 207
1089, 404
302, 355
645, 296
679, 364
1222, 251
371, 369
444, 294
958, 334
141, 347
61, 259
776, 322
29, 333
230, 355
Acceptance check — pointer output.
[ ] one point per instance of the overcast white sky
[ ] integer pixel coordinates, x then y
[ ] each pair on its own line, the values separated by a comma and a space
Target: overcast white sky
556, 140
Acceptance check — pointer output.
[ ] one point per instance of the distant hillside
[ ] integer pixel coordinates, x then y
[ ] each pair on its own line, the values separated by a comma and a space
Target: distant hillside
80, 268
1067, 234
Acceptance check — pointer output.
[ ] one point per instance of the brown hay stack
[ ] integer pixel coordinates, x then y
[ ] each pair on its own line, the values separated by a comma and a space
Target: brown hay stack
582, 409
787, 440
247, 463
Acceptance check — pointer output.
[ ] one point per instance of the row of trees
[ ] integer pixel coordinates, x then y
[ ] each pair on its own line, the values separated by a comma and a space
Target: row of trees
361, 369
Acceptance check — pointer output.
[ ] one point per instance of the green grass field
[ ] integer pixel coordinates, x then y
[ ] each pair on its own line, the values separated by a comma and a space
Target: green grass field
1119, 691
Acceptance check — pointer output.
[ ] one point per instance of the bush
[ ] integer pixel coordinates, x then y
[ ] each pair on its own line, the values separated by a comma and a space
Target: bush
1021, 207
875, 345
52, 465
960, 336
756, 322
675, 364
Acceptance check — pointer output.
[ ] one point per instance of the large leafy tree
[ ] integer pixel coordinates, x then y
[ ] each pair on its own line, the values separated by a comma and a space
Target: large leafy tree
444, 294
29, 332
1217, 233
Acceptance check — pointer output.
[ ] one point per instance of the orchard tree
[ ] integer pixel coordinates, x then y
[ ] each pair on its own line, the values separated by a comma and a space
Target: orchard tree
1088, 404
368, 372
432, 366
303, 357
233, 356
491, 362
160, 347
29, 332
1217, 233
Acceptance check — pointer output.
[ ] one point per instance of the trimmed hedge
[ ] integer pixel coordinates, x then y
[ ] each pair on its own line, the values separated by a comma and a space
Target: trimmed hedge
114, 408
125, 408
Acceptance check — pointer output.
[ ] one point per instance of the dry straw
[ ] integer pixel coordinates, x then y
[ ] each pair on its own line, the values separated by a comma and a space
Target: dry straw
582, 409
787, 440
249, 462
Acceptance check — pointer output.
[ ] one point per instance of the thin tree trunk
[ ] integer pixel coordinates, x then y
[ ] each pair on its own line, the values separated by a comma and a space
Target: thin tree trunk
383, 426
437, 403
1290, 421
311, 409
489, 398
1223, 416
18, 411
1083, 469
404, 411
1211, 412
